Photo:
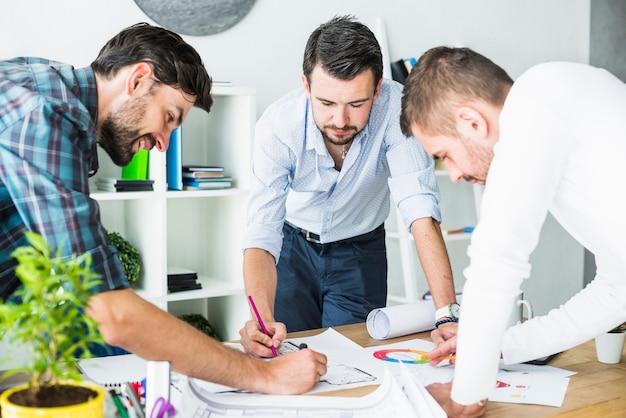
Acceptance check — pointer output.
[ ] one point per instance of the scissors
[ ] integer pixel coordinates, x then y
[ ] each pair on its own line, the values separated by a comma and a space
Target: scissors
162, 409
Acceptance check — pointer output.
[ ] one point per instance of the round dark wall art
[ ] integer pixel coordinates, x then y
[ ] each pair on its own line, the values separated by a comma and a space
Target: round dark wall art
196, 17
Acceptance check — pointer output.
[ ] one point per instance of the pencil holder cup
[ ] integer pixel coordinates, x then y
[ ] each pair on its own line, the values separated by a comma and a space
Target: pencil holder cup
609, 347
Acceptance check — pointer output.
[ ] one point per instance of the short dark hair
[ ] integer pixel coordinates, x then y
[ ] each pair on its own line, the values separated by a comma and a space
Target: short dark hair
175, 63
446, 76
344, 48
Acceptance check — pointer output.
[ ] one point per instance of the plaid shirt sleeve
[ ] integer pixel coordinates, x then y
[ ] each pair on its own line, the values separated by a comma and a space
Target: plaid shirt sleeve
47, 143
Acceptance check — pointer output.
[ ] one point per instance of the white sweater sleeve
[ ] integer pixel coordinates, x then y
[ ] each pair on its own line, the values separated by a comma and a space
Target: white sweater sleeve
521, 184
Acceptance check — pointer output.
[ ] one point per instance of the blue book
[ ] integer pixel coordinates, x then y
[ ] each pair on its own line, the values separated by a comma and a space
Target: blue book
174, 161
206, 185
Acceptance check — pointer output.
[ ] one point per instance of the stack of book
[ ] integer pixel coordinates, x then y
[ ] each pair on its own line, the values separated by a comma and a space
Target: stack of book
180, 279
122, 185
202, 177
401, 69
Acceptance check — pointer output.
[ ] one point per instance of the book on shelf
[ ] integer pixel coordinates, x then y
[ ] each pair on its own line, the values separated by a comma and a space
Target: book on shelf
220, 179
202, 174
207, 184
176, 272
108, 184
180, 279
400, 69
202, 168
174, 161
409, 63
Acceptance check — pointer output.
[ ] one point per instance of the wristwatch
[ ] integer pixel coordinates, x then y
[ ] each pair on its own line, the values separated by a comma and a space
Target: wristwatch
452, 311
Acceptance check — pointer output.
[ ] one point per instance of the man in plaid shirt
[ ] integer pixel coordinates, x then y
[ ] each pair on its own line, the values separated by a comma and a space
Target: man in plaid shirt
52, 117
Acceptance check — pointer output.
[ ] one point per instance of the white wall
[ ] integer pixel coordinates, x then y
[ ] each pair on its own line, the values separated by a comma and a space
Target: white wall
265, 51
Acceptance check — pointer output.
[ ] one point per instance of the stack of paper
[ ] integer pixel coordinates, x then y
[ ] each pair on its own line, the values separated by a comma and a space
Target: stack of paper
121, 185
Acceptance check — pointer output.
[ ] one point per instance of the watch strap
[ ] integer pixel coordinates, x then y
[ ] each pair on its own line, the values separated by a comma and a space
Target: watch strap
446, 312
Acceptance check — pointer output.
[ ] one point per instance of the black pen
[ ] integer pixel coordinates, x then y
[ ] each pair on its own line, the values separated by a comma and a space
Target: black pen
302, 346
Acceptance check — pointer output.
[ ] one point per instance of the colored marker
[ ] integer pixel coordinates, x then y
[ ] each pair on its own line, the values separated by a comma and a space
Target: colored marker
118, 404
258, 317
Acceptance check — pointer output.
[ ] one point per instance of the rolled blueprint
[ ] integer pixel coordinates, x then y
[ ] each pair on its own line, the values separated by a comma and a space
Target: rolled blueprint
395, 321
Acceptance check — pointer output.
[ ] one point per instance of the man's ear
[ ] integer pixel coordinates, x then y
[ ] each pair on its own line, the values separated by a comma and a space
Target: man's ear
471, 123
140, 77
307, 87
377, 89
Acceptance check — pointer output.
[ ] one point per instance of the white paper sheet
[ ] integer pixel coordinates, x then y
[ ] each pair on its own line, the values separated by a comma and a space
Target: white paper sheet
348, 365
516, 383
531, 384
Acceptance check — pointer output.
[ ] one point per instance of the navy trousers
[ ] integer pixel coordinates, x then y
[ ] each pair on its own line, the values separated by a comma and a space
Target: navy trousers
325, 285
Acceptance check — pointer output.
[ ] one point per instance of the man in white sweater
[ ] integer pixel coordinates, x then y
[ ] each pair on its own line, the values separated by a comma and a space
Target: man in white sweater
553, 141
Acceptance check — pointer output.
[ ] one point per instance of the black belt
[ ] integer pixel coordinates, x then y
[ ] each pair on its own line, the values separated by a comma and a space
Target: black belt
315, 238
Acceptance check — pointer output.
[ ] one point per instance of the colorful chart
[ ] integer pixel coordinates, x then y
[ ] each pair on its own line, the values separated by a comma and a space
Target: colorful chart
402, 355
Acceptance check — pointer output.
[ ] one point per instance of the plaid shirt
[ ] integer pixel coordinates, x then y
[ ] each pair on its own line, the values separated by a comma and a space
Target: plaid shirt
48, 113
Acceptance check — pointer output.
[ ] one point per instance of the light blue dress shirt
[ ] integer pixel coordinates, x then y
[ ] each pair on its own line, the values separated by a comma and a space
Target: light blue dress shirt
293, 176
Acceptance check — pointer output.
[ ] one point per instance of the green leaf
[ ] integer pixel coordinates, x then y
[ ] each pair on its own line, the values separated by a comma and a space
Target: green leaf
50, 317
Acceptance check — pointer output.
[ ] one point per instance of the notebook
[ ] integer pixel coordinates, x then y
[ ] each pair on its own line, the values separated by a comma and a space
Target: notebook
114, 370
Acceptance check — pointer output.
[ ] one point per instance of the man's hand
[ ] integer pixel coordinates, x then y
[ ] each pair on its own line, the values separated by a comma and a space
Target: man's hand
444, 332
255, 342
295, 373
446, 348
441, 393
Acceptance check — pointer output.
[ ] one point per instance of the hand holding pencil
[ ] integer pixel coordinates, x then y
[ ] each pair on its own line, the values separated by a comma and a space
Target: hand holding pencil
262, 325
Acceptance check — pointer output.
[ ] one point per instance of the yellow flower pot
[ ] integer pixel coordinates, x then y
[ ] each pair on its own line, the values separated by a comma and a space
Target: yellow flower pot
93, 408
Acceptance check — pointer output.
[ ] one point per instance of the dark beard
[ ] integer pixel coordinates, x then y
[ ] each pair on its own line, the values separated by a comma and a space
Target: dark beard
121, 154
117, 134
343, 141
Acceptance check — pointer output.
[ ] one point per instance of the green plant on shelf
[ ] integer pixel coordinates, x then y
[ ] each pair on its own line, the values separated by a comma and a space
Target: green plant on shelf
128, 255
202, 324
618, 329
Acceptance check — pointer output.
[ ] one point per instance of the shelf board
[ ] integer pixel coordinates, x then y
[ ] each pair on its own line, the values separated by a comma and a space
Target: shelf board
102, 196
211, 288
178, 194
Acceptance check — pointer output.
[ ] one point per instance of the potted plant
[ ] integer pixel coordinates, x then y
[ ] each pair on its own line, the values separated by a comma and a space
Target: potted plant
610, 345
46, 317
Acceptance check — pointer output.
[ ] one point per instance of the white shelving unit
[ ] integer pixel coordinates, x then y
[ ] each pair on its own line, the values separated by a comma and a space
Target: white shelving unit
198, 230
557, 262
459, 205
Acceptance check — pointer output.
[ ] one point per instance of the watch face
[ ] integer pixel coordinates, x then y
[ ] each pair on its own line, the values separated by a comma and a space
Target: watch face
455, 309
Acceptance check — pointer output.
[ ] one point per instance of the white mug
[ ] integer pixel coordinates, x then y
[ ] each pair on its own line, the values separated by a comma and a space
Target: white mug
518, 311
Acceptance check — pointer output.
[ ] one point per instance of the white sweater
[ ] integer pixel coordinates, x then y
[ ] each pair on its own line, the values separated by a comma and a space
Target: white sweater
562, 149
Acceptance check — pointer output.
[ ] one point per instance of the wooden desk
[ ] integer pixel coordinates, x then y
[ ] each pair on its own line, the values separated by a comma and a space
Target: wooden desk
596, 390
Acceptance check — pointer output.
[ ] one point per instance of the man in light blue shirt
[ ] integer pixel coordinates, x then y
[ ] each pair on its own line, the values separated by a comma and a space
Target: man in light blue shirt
326, 157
